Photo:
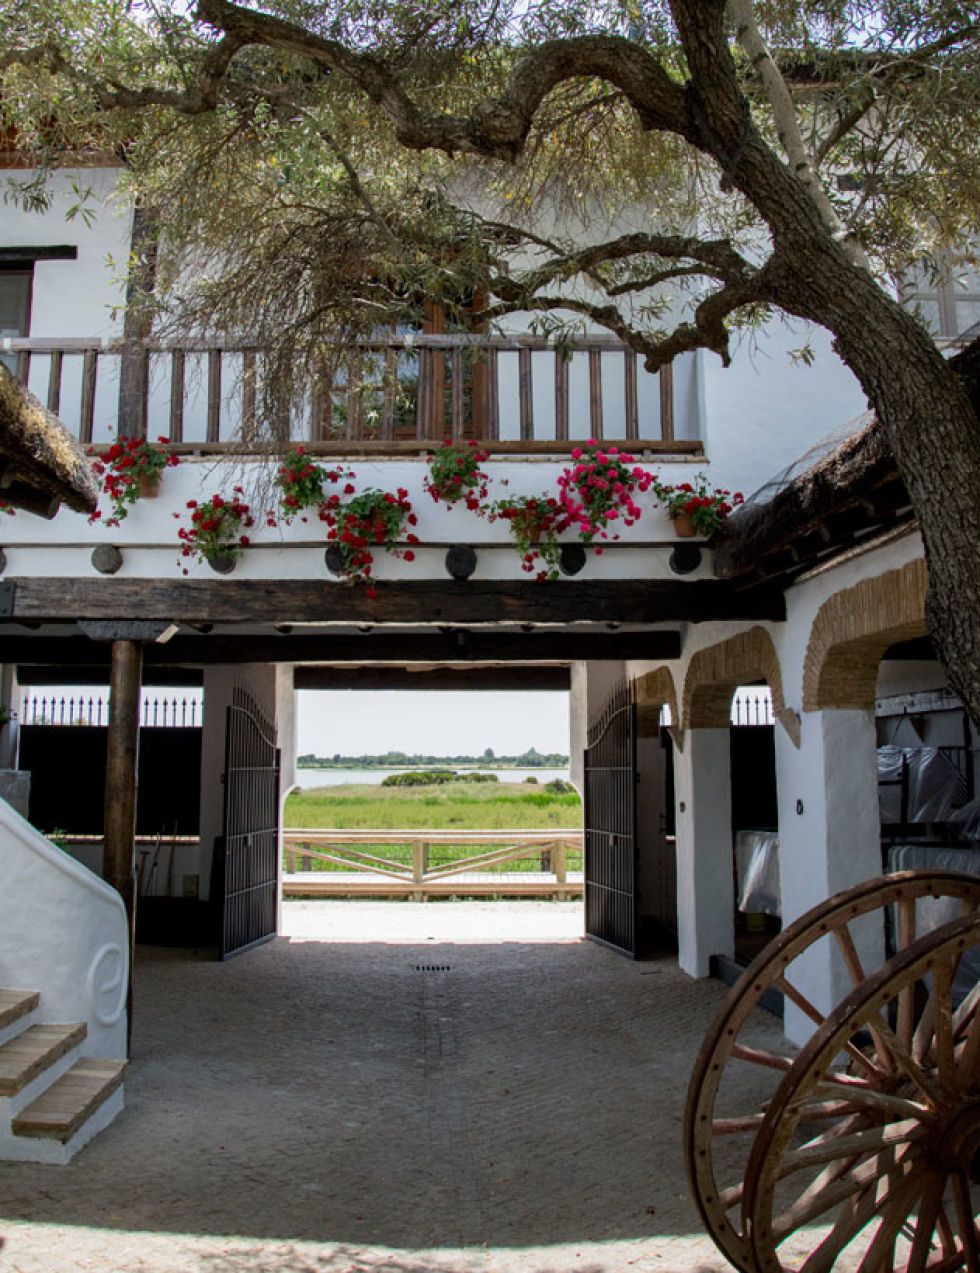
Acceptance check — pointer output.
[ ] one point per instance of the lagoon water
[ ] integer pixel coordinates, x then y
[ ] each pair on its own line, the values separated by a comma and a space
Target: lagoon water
335, 777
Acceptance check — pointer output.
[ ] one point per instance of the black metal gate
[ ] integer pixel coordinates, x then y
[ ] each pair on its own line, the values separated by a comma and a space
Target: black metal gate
248, 869
610, 824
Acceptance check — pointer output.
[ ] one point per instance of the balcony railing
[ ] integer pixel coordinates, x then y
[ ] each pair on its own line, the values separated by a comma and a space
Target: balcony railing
512, 393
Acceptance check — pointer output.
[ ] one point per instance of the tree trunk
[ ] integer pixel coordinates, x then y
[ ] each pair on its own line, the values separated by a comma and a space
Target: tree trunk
934, 434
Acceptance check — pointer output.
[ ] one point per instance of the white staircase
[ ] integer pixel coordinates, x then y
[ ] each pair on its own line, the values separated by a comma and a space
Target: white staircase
53, 1100
63, 931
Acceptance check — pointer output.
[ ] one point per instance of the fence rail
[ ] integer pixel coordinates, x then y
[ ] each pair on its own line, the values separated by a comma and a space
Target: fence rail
502, 390
172, 713
423, 864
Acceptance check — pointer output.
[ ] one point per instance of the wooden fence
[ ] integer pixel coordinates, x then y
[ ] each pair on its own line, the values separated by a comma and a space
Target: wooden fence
353, 867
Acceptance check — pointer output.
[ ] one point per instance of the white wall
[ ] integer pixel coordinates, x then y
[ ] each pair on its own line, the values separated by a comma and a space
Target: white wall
765, 410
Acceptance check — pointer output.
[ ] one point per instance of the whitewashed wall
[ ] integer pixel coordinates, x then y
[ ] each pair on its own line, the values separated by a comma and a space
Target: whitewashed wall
754, 417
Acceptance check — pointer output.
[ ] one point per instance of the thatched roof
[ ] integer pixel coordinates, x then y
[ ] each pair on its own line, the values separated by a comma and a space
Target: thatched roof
41, 464
849, 491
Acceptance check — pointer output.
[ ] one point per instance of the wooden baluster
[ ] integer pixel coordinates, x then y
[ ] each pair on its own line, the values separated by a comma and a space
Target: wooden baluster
90, 363
595, 393
23, 371
249, 417
214, 395
629, 394
493, 397
177, 395
524, 375
456, 364
667, 402
388, 394
561, 396
353, 431
54, 381
424, 394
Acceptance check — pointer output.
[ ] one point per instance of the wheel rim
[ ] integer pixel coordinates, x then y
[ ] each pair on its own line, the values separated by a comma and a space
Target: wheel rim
717, 1148
889, 1178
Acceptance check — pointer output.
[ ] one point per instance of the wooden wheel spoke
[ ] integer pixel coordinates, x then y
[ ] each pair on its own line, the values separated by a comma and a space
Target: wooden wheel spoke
893, 1217
907, 1062
736, 1126
760, 1056
964, 1014
887, 1104
857, 1145
965, 1221
852, 960
833, 1187
731, 1197
968, 1061
943, 987
925, 1224
864, 1205
797, 997
906, 997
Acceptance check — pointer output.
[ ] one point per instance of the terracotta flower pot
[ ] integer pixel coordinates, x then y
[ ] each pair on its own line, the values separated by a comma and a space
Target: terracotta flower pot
149, 485
684, 526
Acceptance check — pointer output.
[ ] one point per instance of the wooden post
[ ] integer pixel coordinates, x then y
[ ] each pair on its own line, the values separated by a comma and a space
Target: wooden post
420, 864
119, 858
560, 864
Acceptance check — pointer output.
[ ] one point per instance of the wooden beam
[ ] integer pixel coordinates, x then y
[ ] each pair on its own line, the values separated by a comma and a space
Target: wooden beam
384, 677
643, 601
477, 645
122, 743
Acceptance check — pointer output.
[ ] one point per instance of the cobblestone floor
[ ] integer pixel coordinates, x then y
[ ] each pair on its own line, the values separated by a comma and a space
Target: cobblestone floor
322, 1105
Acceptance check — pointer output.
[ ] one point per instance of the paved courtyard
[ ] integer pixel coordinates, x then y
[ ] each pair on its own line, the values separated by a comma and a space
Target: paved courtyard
390, 1086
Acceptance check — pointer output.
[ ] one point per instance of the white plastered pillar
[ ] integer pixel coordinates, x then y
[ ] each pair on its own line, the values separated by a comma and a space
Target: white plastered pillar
705, 891
829, 839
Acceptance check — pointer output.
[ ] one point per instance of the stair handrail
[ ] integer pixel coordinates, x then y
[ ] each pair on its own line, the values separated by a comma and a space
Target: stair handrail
63, 932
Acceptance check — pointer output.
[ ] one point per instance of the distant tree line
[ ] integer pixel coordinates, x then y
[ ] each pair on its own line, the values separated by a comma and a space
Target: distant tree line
530, 759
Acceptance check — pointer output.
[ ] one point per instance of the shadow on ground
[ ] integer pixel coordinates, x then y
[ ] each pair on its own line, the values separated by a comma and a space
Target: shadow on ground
407, 1096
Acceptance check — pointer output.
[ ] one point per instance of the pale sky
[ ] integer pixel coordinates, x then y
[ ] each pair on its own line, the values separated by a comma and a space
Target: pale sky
434, 722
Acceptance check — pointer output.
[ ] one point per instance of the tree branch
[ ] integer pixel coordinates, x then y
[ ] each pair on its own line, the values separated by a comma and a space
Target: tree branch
787, 124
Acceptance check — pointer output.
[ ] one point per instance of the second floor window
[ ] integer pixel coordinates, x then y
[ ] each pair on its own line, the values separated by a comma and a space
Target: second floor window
15, 308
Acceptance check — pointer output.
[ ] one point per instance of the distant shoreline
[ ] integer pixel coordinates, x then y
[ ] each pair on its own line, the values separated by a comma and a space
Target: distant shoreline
482, 766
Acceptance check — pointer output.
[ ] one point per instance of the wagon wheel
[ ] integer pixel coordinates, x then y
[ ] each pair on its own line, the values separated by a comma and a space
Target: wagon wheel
889, 1170
718, 1124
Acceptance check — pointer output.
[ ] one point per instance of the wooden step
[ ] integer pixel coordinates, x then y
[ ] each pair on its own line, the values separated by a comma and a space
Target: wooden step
15, 1004
29, 1054
58, 1113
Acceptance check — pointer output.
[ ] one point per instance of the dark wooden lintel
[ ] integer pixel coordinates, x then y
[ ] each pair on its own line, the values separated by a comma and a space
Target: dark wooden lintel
379, 646
384, 677
425, 602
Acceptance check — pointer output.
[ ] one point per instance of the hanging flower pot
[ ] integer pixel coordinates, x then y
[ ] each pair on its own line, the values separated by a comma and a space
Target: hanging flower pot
684, 526
130, 470
696, 508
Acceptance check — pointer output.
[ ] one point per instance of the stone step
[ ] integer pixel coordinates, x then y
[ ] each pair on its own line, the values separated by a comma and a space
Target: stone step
62, 1110
29, 1054
15, 1004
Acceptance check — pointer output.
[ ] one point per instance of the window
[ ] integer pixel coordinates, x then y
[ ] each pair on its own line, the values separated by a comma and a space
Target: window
15, 307
950, 307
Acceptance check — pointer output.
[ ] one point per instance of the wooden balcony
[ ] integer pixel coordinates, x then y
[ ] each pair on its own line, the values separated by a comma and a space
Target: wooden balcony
511, 393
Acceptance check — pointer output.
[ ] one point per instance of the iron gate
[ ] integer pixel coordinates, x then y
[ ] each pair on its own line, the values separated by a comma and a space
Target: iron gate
249, 865
610, 824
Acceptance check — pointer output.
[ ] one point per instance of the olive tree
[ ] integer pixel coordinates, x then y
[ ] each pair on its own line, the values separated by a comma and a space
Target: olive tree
670, 169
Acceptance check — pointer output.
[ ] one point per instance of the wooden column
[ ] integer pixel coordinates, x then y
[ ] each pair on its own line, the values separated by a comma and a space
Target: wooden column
119, 856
